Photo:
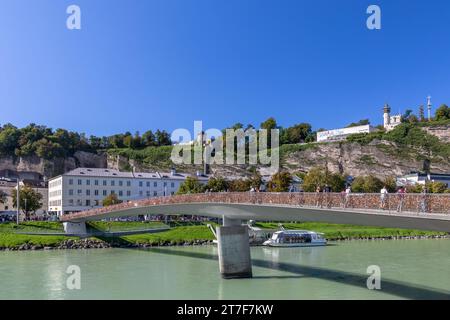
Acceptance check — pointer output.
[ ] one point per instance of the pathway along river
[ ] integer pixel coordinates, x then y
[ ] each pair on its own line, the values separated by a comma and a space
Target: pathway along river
409, 269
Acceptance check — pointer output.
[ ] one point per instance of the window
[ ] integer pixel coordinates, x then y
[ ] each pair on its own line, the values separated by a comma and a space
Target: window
148, 193
96, 182
70, 192
88, 202
128, 193
172, 184
104, 192
96, 202
141, 193
155, 184
104, 182
88, 192
120, 183
80, 182
148, 183
79, 192
70, 182
113, 183
96, 192
155, 193
113, 192
128, 183
88, 182
120, 193
140, 183
165, 184
70, 202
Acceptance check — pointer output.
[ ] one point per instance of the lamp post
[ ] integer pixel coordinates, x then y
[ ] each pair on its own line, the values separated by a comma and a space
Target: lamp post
18, 200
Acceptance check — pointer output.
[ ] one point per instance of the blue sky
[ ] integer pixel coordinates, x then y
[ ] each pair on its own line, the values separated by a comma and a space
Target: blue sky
147, 64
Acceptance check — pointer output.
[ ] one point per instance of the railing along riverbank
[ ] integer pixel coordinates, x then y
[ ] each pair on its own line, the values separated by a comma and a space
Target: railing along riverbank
412, 203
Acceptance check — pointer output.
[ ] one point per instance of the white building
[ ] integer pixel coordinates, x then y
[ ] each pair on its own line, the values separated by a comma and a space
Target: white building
422, 178
341, 134
390, 122
85, 188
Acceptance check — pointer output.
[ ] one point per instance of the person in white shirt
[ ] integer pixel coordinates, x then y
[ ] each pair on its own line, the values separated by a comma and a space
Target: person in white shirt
383, 197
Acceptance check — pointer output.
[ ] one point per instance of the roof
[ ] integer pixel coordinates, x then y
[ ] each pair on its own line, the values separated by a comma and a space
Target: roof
113, 173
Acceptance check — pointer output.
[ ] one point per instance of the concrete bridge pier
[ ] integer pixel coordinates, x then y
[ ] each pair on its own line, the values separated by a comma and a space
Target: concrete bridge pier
76, 228
234, 250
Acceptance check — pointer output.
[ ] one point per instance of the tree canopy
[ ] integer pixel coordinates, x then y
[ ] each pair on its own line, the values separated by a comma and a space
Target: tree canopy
30, 200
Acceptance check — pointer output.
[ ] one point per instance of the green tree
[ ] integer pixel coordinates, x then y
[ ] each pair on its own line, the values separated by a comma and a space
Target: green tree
362, 122
191, 185
217, 184
111, 200
3, 197
295, 134
442, 113
421, 113
367, 184
390, 183
239, 185
30, 200
162, 138
437, 187
279, 182
149, 139
9, 139
320, 177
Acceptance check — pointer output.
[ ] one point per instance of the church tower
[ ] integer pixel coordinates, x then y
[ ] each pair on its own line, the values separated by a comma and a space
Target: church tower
386, 115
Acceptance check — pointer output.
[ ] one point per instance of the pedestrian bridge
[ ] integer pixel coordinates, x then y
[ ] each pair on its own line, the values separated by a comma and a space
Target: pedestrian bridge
409, 211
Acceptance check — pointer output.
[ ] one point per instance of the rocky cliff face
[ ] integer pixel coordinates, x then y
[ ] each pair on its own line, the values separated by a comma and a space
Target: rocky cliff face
54, 167
442, 132
379, 158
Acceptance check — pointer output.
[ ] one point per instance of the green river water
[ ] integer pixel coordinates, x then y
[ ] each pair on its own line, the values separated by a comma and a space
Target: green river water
409, 269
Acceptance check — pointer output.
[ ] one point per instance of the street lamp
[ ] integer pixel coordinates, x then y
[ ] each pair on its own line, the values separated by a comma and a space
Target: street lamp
18, 200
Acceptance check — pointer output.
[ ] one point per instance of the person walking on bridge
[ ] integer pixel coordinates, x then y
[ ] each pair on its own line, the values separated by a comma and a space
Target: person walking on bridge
348, 191
383, 198
318, 197
401, 197
327, 191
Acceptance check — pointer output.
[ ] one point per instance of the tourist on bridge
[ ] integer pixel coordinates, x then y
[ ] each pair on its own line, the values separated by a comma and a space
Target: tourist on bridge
401, 197
327, 190
318, 197
348, 191
383, 197
423, 200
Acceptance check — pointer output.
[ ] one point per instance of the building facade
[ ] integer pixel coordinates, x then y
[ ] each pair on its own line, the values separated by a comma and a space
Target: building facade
422, 178
7, 186
85, 188
341, 134
390, 122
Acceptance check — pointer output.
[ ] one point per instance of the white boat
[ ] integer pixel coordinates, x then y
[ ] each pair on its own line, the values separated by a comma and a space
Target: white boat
296, 238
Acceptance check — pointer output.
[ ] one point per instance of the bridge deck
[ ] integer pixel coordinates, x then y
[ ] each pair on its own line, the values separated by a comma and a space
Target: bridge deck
430, 212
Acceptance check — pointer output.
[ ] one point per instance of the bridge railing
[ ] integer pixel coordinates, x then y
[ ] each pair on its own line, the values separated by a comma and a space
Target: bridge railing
413, 203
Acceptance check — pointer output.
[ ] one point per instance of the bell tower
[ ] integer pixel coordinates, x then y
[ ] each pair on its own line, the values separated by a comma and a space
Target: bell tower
386, 115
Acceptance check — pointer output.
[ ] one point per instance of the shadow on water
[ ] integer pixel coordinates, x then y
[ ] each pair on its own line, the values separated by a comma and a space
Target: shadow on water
397, 288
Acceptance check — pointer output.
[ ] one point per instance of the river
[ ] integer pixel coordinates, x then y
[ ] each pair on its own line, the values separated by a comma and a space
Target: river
409, 269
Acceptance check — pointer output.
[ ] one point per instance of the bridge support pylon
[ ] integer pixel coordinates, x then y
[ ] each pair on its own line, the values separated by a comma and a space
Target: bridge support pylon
234, 250
75, 228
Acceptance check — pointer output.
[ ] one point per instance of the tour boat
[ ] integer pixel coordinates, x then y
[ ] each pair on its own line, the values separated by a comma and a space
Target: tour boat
296, 238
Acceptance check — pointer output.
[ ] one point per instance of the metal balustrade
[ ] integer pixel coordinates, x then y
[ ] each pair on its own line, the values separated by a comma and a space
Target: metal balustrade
391, 203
